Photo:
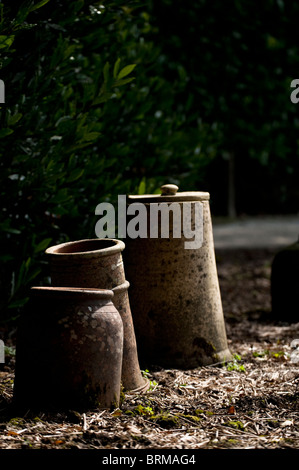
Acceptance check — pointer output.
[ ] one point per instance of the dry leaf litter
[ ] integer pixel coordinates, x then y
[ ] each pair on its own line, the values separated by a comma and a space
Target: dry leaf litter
250, 403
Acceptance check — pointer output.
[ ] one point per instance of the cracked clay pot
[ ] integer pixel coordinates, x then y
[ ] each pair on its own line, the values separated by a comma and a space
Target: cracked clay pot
69, 350
98, 263
174, 289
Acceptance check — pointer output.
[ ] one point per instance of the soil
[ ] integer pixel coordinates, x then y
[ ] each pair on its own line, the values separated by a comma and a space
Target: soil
250, 403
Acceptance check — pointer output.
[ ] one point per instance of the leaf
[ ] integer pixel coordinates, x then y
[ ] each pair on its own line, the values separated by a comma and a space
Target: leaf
10, 351
43, 245
78, 5
126, 71
106, 71
116, 68
6, 41
5, 132
123, 82
102, 98
12, 230
6, 257
232, 410
14, 119
22, 273
75, 175
38, 5
235, 424
18, 303
35, 272
142, 187
91, 136
62, 119
60, 197
58, 442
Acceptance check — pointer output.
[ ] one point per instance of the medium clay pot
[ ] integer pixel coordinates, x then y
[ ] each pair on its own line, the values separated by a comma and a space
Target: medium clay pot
98, 263
69, 350
174, 291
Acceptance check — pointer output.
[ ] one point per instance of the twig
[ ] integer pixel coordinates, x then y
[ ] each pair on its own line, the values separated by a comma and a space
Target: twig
84, 422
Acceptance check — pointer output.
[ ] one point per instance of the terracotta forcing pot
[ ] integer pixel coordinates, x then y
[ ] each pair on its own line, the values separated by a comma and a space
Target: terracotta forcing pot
69, 350
98, 263
284, 284
174, 291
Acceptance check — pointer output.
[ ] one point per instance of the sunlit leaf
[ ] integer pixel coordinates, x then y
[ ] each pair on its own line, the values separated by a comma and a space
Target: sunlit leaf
126, 71
116, 68
5, 132
42, 245
38, 5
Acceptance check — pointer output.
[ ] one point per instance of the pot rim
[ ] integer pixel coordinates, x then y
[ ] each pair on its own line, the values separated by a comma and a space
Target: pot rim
191, 196
88, 292
116, 246
121, 287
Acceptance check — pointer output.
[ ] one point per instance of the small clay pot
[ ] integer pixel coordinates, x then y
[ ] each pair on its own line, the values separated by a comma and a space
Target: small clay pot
98, 263
92, 263
69, 350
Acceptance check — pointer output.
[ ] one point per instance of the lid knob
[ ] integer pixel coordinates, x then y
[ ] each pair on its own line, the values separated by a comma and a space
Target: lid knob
169, 189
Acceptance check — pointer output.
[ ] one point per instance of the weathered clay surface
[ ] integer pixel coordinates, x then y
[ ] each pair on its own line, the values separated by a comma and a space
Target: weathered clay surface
131, 377
69, 350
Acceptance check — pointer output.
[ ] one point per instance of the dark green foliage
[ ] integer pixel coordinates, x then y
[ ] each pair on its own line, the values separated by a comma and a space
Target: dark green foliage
59, 70
115, 97
240, 59
89, 114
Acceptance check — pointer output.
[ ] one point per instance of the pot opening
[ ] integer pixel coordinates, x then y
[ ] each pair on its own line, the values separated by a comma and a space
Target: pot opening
91, 293
85, 246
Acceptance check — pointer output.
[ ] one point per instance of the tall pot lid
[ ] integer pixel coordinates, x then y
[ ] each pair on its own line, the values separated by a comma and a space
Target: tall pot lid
169, 193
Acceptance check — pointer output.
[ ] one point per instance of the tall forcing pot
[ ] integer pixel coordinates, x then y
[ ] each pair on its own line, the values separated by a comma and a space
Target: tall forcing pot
98, 263
174, 290
69, 350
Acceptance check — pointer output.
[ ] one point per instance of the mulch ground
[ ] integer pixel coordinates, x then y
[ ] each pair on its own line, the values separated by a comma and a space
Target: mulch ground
250, 403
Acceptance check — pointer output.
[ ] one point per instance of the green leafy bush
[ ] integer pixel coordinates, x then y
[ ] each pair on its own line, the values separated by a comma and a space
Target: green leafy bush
115, 97
59, 71
90, 113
